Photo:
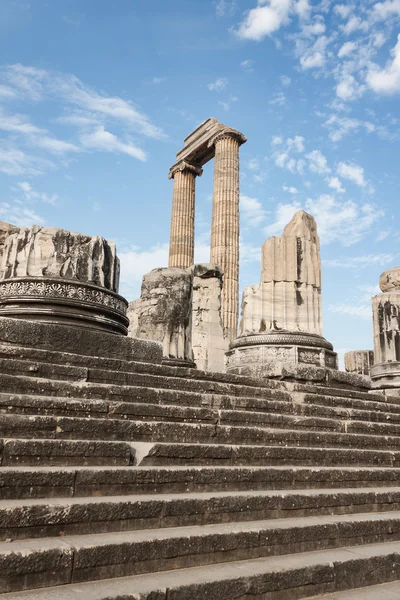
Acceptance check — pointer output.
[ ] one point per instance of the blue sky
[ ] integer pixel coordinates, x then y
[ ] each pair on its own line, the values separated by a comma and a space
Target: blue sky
96, 97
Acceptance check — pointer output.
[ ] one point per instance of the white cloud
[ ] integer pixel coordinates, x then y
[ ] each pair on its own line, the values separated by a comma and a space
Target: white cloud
386, 80
313, 56
157, 80
343, 10
277, 140
346, 49
303, 9
284, 156
38, 84
335, 184
344, 221
361, 311
226, 105
382, 10
265, 19
352, 172
252, 211
225, 7
219, 85
312, 61
14, 161
361, 262
349, 88
19, 215
285, 80
355, 24
318, 162
290, 189
247, 65
278, 100
105, 141
341, 126
297, 143
31, 194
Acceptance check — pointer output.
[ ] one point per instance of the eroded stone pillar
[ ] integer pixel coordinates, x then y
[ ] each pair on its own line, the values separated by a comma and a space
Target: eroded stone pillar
181, 247
385, 373
359, 362
281, 325
224, 250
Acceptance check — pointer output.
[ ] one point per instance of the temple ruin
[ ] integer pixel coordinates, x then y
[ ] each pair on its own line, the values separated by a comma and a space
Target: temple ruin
141, 467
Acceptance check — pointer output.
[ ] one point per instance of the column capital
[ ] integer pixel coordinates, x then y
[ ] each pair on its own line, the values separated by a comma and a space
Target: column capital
184, 166
227, 132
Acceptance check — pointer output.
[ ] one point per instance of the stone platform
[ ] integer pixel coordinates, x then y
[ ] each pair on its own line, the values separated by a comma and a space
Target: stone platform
122, 478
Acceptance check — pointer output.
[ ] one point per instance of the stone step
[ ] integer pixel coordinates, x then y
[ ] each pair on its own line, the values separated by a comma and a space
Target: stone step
66, 482
38, 426
65, 372
23, 452
182, 407
82, 558
22, 519
267, 578
171, 453
328, 400
48, 452
27, 385
384, 591
139, 367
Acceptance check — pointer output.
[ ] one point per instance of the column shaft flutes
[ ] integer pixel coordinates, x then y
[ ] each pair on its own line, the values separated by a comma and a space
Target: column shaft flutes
225, 227
181, 248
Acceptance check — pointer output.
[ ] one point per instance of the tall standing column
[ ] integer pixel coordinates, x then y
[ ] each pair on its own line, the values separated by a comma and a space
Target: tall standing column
181, 245
225, 224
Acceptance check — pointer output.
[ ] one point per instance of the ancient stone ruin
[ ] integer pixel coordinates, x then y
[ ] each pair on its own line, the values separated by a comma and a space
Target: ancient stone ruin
385, 373
181, 308
210, 140
128, 474
58, 276
359, 362
281, 325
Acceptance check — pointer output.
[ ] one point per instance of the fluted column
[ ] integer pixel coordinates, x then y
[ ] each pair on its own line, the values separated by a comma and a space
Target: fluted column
225, 225
181, 245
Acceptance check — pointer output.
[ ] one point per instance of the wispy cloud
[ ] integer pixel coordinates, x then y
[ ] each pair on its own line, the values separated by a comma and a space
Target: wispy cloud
360, 262
95, 121
219, 85
342, 221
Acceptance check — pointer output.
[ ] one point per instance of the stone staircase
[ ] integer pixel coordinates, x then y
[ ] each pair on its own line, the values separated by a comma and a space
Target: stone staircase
125, 479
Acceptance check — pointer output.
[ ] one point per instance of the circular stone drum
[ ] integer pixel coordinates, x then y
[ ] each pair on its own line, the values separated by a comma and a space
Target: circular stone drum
277, 354
63, 301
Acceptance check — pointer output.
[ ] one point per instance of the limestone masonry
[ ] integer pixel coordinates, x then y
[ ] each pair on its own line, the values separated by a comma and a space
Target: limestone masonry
359, 362
210, 140
181, 308
385, 373
281, 325
126, 473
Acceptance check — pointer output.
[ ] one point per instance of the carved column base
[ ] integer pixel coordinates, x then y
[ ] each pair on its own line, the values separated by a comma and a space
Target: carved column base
292, 356
386, 375
63, 301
